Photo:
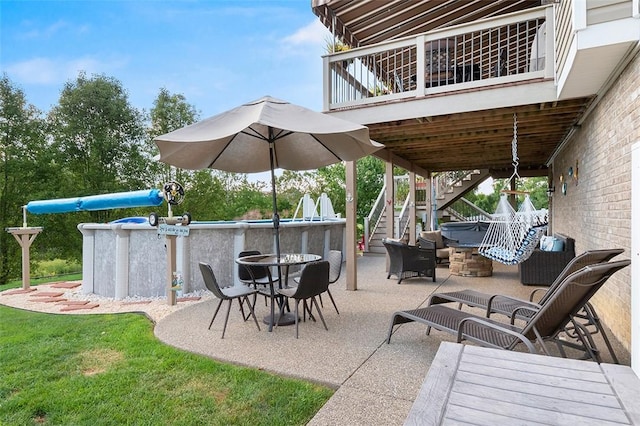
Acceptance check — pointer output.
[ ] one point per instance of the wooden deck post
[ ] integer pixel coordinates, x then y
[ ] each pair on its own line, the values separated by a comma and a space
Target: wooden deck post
350, 207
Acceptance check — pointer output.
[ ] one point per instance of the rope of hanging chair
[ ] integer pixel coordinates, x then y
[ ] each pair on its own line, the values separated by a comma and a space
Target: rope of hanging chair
513, 235
515, 161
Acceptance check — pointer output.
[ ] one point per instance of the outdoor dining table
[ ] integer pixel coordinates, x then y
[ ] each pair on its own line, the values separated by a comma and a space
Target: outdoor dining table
283, 263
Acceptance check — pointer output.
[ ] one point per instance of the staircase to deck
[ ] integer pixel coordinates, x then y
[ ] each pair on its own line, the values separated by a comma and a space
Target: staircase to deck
451, 186
451, 206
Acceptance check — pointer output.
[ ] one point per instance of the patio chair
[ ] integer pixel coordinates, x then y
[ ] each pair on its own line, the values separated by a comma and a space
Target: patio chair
546, 323
435, 240
407, 261
229, 293
335, 268
314, 280
506, 305
256, 276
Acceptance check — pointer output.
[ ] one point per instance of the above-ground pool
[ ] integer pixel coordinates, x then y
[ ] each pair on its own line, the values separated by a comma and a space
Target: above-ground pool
128, 259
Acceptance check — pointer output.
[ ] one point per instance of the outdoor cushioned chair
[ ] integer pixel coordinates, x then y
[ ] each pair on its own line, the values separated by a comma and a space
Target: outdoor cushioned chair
314, 280
435, 239
545, 324
407, 261
229, 292
506, 305
542, 267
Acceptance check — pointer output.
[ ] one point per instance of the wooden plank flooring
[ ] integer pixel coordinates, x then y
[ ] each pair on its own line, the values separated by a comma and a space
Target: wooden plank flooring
472, 385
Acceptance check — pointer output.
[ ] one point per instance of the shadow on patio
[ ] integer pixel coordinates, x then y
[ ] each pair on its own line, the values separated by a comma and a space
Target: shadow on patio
376, 383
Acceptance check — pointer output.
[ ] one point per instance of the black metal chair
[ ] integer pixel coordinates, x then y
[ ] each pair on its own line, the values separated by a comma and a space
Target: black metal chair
230, 293
314, 280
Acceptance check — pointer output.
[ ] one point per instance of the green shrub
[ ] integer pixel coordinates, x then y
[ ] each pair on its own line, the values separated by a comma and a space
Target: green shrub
49, 268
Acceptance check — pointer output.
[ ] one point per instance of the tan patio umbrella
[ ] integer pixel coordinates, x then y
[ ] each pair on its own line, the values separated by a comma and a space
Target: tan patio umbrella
263, 135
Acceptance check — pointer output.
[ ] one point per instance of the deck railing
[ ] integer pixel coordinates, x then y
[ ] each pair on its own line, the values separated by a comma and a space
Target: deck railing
497, 50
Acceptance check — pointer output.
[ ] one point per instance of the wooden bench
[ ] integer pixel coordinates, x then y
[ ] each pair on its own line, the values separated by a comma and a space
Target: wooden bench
495, 387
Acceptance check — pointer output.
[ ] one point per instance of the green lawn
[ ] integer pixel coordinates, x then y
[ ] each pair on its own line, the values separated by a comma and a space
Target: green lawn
36, 281
111, 370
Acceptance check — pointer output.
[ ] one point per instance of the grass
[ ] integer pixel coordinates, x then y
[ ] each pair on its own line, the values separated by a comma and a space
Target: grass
43, 280
111, 370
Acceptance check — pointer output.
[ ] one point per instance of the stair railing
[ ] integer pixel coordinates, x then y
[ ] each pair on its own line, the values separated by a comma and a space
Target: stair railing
445, 181
374, 218
402, 221
464, 210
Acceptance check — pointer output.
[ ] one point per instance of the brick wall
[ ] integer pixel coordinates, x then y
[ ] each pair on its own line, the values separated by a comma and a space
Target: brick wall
596, 209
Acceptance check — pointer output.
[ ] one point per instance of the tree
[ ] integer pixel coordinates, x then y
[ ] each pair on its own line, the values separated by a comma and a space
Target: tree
170, 112
370, 180
22, 165
537, 188
98, 136
292, 186
95, 148
218, 195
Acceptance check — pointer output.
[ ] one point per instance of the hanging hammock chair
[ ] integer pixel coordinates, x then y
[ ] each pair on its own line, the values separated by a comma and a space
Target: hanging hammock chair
513, 235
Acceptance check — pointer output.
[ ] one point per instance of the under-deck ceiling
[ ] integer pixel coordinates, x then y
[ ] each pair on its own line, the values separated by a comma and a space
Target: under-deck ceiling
482, 139
364, 22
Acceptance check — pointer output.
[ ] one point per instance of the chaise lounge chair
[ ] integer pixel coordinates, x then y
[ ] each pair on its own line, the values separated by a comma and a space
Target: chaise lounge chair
505, 305
545, 324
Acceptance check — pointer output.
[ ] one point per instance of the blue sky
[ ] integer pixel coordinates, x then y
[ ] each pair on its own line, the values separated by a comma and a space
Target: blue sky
218, 54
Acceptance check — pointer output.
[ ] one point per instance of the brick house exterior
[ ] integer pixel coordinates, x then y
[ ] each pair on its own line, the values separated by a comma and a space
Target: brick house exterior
596, 209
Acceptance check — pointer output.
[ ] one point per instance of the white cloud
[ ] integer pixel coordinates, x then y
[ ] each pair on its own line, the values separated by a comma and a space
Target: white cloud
46, 32
34, 71
313, 33
54, 28
45, 71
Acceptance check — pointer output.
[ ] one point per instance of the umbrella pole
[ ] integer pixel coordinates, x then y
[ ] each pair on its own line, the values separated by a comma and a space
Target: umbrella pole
276, 217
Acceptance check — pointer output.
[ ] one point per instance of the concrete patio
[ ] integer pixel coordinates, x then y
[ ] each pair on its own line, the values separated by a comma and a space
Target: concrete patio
376, 383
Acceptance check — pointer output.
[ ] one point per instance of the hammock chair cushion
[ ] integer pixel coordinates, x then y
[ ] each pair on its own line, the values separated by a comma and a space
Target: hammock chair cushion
522, 253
